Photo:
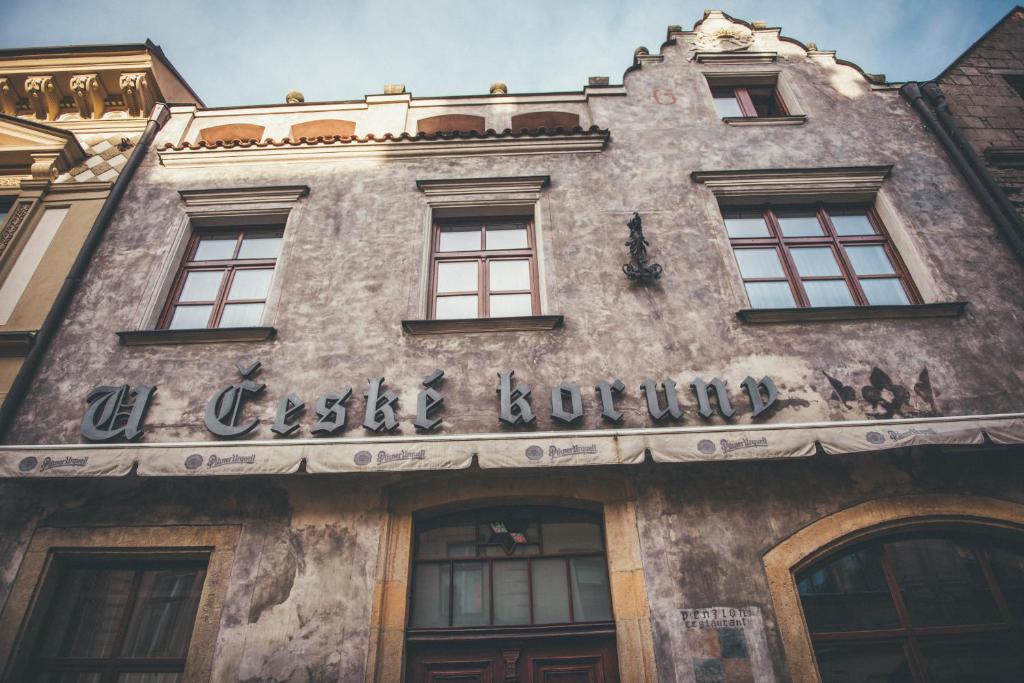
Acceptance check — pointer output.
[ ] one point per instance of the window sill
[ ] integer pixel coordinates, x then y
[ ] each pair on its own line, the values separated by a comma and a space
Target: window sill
765, 120
757, 316
197, 336
527, 323
16, 344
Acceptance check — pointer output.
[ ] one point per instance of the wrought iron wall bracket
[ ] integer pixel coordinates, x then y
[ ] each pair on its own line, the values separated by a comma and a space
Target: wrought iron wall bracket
639, 271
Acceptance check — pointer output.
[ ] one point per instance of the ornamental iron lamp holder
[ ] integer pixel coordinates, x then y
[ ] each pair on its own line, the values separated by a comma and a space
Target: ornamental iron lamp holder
640, 271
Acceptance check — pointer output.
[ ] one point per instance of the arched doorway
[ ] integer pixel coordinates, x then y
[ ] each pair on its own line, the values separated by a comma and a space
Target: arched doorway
511, 593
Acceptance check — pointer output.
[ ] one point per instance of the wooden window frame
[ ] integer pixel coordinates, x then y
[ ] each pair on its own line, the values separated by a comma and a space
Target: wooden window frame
229, 266
111, 667
482, 258
746, 104
907, 635
479, 514
831, 239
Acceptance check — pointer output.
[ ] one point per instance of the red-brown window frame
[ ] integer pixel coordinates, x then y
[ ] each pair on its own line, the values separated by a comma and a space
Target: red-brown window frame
230, 266
906, 634
110, 668
742, 95
482, 257
831, 239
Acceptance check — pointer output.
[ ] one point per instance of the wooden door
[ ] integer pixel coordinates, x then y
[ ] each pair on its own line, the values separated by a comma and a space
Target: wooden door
556, 660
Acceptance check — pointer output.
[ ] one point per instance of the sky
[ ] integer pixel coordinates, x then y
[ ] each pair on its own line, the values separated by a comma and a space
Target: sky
255, 51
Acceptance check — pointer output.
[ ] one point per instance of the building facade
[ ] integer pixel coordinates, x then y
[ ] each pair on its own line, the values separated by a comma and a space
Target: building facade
706, 376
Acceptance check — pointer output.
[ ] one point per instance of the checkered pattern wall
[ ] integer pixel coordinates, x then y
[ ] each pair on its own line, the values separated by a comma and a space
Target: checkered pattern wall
105, 157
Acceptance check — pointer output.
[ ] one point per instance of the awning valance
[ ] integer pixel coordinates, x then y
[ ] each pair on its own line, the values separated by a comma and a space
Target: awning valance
505, 450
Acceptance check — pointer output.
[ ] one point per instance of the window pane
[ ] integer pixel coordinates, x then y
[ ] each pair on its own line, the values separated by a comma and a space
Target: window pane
241, 315
453, 537
882, 662
815, 261
90, 606
799, 223
458, 276
770, 295
260, 247
201, 285
507, 238
550, 592
431, 583
848, 594
763, 99
828, 293
993, 659
726, 105
941, 583
591, 599
215, 249
459, 239
884, 291
746, 224
511, 305
851, 223
161, 624
1008, 567
455, 307
250, 284
471, 596
190, 317
757, 263
568, 532
871, 260
509, 275
511, 593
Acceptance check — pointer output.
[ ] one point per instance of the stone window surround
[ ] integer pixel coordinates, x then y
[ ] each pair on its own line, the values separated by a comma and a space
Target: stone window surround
615, 498
775, 78
493, 197
217, 543
853, 525
852, 184
219, 208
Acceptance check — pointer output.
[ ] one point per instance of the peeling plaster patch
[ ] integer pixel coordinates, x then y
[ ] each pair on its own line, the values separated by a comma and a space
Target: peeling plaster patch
278, 566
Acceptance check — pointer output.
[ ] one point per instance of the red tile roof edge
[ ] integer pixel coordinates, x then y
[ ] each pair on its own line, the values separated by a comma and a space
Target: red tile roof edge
490, 133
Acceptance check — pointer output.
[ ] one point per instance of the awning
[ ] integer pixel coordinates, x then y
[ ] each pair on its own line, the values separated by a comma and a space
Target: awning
505, 450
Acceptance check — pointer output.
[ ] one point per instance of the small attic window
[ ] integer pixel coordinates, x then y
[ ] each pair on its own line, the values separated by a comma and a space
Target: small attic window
451, 123
231, 132
545, 119
325, 128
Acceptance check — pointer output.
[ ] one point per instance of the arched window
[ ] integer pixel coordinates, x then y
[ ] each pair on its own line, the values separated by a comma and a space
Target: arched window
924, 607
510, 566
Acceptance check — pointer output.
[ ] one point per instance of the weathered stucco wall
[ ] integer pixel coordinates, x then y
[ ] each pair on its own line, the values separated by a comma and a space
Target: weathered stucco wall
352, 263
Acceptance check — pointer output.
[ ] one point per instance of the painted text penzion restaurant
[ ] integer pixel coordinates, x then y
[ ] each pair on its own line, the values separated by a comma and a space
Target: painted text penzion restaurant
711, 374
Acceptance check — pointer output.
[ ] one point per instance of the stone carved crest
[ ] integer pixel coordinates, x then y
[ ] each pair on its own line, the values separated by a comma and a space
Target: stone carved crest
717, 34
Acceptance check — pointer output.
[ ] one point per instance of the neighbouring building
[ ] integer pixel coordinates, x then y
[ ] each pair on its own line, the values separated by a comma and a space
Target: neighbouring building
71, 117
710, 375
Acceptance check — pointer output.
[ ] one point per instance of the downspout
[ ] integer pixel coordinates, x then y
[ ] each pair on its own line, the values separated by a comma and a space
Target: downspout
912, 93
23, 380
935, 96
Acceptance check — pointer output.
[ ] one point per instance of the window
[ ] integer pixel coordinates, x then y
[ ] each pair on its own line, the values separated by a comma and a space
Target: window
817, 256
483, 269
224, 279
748, 101
927, 607
118, 621
510, 567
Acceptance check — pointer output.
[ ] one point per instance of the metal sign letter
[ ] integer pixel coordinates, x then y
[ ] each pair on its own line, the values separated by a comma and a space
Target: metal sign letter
330, 413
428, 400
754, 387
672, 408
700, 388
608, 393
515, 405
558, 395
380, 407
287, 408
222, 410
116, 412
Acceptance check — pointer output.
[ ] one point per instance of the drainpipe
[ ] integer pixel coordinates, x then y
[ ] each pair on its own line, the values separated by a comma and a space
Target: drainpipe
1007, 227
55, 316
935, 96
